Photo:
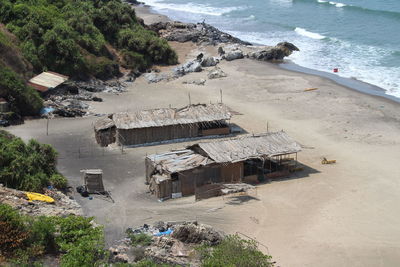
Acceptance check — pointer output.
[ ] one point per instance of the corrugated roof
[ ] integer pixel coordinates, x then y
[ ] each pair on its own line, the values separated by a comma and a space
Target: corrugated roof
47, 80
181, 160
172, 116
234, 150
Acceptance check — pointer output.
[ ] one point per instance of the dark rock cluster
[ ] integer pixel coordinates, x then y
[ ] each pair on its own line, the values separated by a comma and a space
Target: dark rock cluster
201, 33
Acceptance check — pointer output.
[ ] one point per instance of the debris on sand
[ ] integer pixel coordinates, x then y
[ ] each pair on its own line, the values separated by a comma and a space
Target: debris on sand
236, 188
171, 242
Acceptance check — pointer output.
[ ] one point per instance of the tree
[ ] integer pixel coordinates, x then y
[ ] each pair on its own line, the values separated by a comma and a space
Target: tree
59, 52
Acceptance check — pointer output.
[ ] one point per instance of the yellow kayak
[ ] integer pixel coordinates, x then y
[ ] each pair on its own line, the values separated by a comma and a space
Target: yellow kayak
39, 197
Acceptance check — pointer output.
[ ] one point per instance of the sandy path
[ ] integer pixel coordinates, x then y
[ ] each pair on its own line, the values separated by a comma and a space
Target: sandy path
328, 215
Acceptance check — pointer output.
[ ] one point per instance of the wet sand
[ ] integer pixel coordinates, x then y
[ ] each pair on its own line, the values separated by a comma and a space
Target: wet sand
346, 214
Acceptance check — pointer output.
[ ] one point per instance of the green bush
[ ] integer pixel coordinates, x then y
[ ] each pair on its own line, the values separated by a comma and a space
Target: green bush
102, 68
154, 49
13, 231
41, 237
24, 239
23, 99
28, 167
82, 243
140, 239
58, 181
235, 252
60, 52
134, 61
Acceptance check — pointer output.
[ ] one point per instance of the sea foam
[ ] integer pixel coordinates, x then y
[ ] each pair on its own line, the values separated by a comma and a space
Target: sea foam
337, 4
192, 8
306, 33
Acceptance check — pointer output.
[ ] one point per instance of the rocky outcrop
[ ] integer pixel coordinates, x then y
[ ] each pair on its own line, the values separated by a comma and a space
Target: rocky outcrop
200, 33
277, 52
155, 77
188, 67
234, 54
209, 62
63, 205
216, 73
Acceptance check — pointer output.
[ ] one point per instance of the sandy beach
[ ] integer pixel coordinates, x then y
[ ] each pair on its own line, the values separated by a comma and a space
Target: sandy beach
345, 214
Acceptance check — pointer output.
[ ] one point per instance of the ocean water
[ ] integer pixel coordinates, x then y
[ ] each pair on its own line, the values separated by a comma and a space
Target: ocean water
359, 37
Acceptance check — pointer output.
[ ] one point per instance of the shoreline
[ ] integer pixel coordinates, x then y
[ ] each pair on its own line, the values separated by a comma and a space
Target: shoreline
350, 83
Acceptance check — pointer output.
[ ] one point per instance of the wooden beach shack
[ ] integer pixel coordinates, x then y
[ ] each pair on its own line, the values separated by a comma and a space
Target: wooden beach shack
249, 159
157, 125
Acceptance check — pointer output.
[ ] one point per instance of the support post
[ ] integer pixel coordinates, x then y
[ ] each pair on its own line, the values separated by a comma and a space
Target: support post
220, 91
47, 126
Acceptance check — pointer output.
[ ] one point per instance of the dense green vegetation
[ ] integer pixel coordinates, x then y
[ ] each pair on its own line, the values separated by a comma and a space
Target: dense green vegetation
74, 37
235, 252
24, 239
23, 99
28, 167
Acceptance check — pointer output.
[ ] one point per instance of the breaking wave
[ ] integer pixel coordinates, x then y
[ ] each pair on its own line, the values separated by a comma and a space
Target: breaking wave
306, 33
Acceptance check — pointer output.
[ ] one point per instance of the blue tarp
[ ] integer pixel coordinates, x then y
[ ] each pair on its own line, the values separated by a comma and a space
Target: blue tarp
46, 110
168, 232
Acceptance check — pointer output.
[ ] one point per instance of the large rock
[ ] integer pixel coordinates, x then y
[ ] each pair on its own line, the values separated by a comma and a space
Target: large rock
232, 55
188, 67
277, 52
155, 77
216, 73
209, 62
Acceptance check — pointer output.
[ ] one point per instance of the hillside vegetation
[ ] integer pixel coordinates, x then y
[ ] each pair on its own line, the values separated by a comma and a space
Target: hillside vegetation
74, 37
28, 167
23, 99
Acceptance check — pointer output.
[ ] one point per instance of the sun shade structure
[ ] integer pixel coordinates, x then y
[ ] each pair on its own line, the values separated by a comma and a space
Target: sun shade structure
47, 80
156, 125
251, 159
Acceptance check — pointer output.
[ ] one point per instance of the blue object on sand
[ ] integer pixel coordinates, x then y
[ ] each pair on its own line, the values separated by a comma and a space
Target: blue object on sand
46, 110
168, 232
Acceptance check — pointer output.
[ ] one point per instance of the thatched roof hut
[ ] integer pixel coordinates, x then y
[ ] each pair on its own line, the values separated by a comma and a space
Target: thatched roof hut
155, 125
252, 146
